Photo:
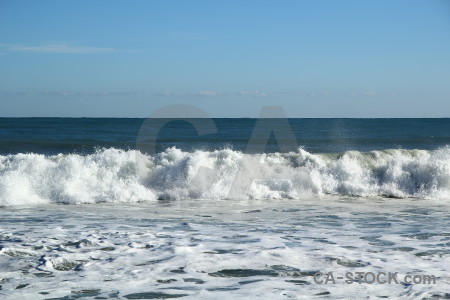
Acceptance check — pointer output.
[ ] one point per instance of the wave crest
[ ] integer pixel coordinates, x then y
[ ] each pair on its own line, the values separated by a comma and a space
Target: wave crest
112, 175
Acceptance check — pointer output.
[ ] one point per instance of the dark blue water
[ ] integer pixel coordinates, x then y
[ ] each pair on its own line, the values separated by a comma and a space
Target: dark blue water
84, 135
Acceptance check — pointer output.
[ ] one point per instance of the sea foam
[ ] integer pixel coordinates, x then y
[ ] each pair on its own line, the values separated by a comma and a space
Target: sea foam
114, 175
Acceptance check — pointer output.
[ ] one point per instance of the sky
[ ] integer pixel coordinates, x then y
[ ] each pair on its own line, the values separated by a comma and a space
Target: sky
318, 58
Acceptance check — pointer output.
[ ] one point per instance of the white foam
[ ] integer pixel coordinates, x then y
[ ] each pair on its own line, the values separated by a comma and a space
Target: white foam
210, 250
112, 175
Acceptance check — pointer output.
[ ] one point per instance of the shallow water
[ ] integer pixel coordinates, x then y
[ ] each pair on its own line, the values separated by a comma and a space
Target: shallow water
205, 249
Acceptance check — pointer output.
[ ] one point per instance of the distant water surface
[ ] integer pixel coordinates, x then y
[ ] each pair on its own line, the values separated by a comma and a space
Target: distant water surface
68, 135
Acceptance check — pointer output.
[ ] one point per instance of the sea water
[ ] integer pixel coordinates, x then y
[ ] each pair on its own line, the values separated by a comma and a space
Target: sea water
80, 219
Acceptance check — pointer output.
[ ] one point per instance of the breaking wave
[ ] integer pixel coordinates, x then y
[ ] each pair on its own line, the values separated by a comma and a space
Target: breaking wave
112, 175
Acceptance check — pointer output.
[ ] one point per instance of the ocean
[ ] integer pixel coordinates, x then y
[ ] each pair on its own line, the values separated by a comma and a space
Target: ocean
100, 208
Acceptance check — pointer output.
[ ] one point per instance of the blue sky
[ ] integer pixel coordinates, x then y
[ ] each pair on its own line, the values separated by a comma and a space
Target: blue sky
229, 58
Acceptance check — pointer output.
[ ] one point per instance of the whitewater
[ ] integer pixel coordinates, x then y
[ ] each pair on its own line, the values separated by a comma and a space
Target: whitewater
195, 249
203, 224
128, 176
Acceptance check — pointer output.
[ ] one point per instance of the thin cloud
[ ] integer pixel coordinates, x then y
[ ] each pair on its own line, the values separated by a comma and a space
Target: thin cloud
206, 93
189, 94
392, 94
57, 48
369, 93
90, 94
170, 94
365, 94
252, 93
13, 93
325, 93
